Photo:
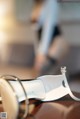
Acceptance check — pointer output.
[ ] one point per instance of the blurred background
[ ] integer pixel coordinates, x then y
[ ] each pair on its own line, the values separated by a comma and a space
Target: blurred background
18, 39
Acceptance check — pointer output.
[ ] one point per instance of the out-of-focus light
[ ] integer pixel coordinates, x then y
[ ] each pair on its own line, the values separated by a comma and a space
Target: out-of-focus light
2, 23
3, 9
2, 36
6, 19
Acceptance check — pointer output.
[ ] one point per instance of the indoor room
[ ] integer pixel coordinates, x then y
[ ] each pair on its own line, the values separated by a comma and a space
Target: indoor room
40, 59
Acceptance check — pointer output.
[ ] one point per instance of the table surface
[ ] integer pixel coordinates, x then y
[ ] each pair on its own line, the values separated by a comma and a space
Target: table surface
19, 71
61, 109
65, 108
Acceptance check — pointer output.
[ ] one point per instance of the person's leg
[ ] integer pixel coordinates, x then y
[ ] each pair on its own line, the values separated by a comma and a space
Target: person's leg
56, 35
39, 34
51, 59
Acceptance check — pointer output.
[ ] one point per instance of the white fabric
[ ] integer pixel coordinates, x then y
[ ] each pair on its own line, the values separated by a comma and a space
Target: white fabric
34, 89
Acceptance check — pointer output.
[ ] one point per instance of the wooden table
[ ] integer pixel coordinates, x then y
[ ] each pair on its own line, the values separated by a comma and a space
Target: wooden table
65, 108
19, 71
